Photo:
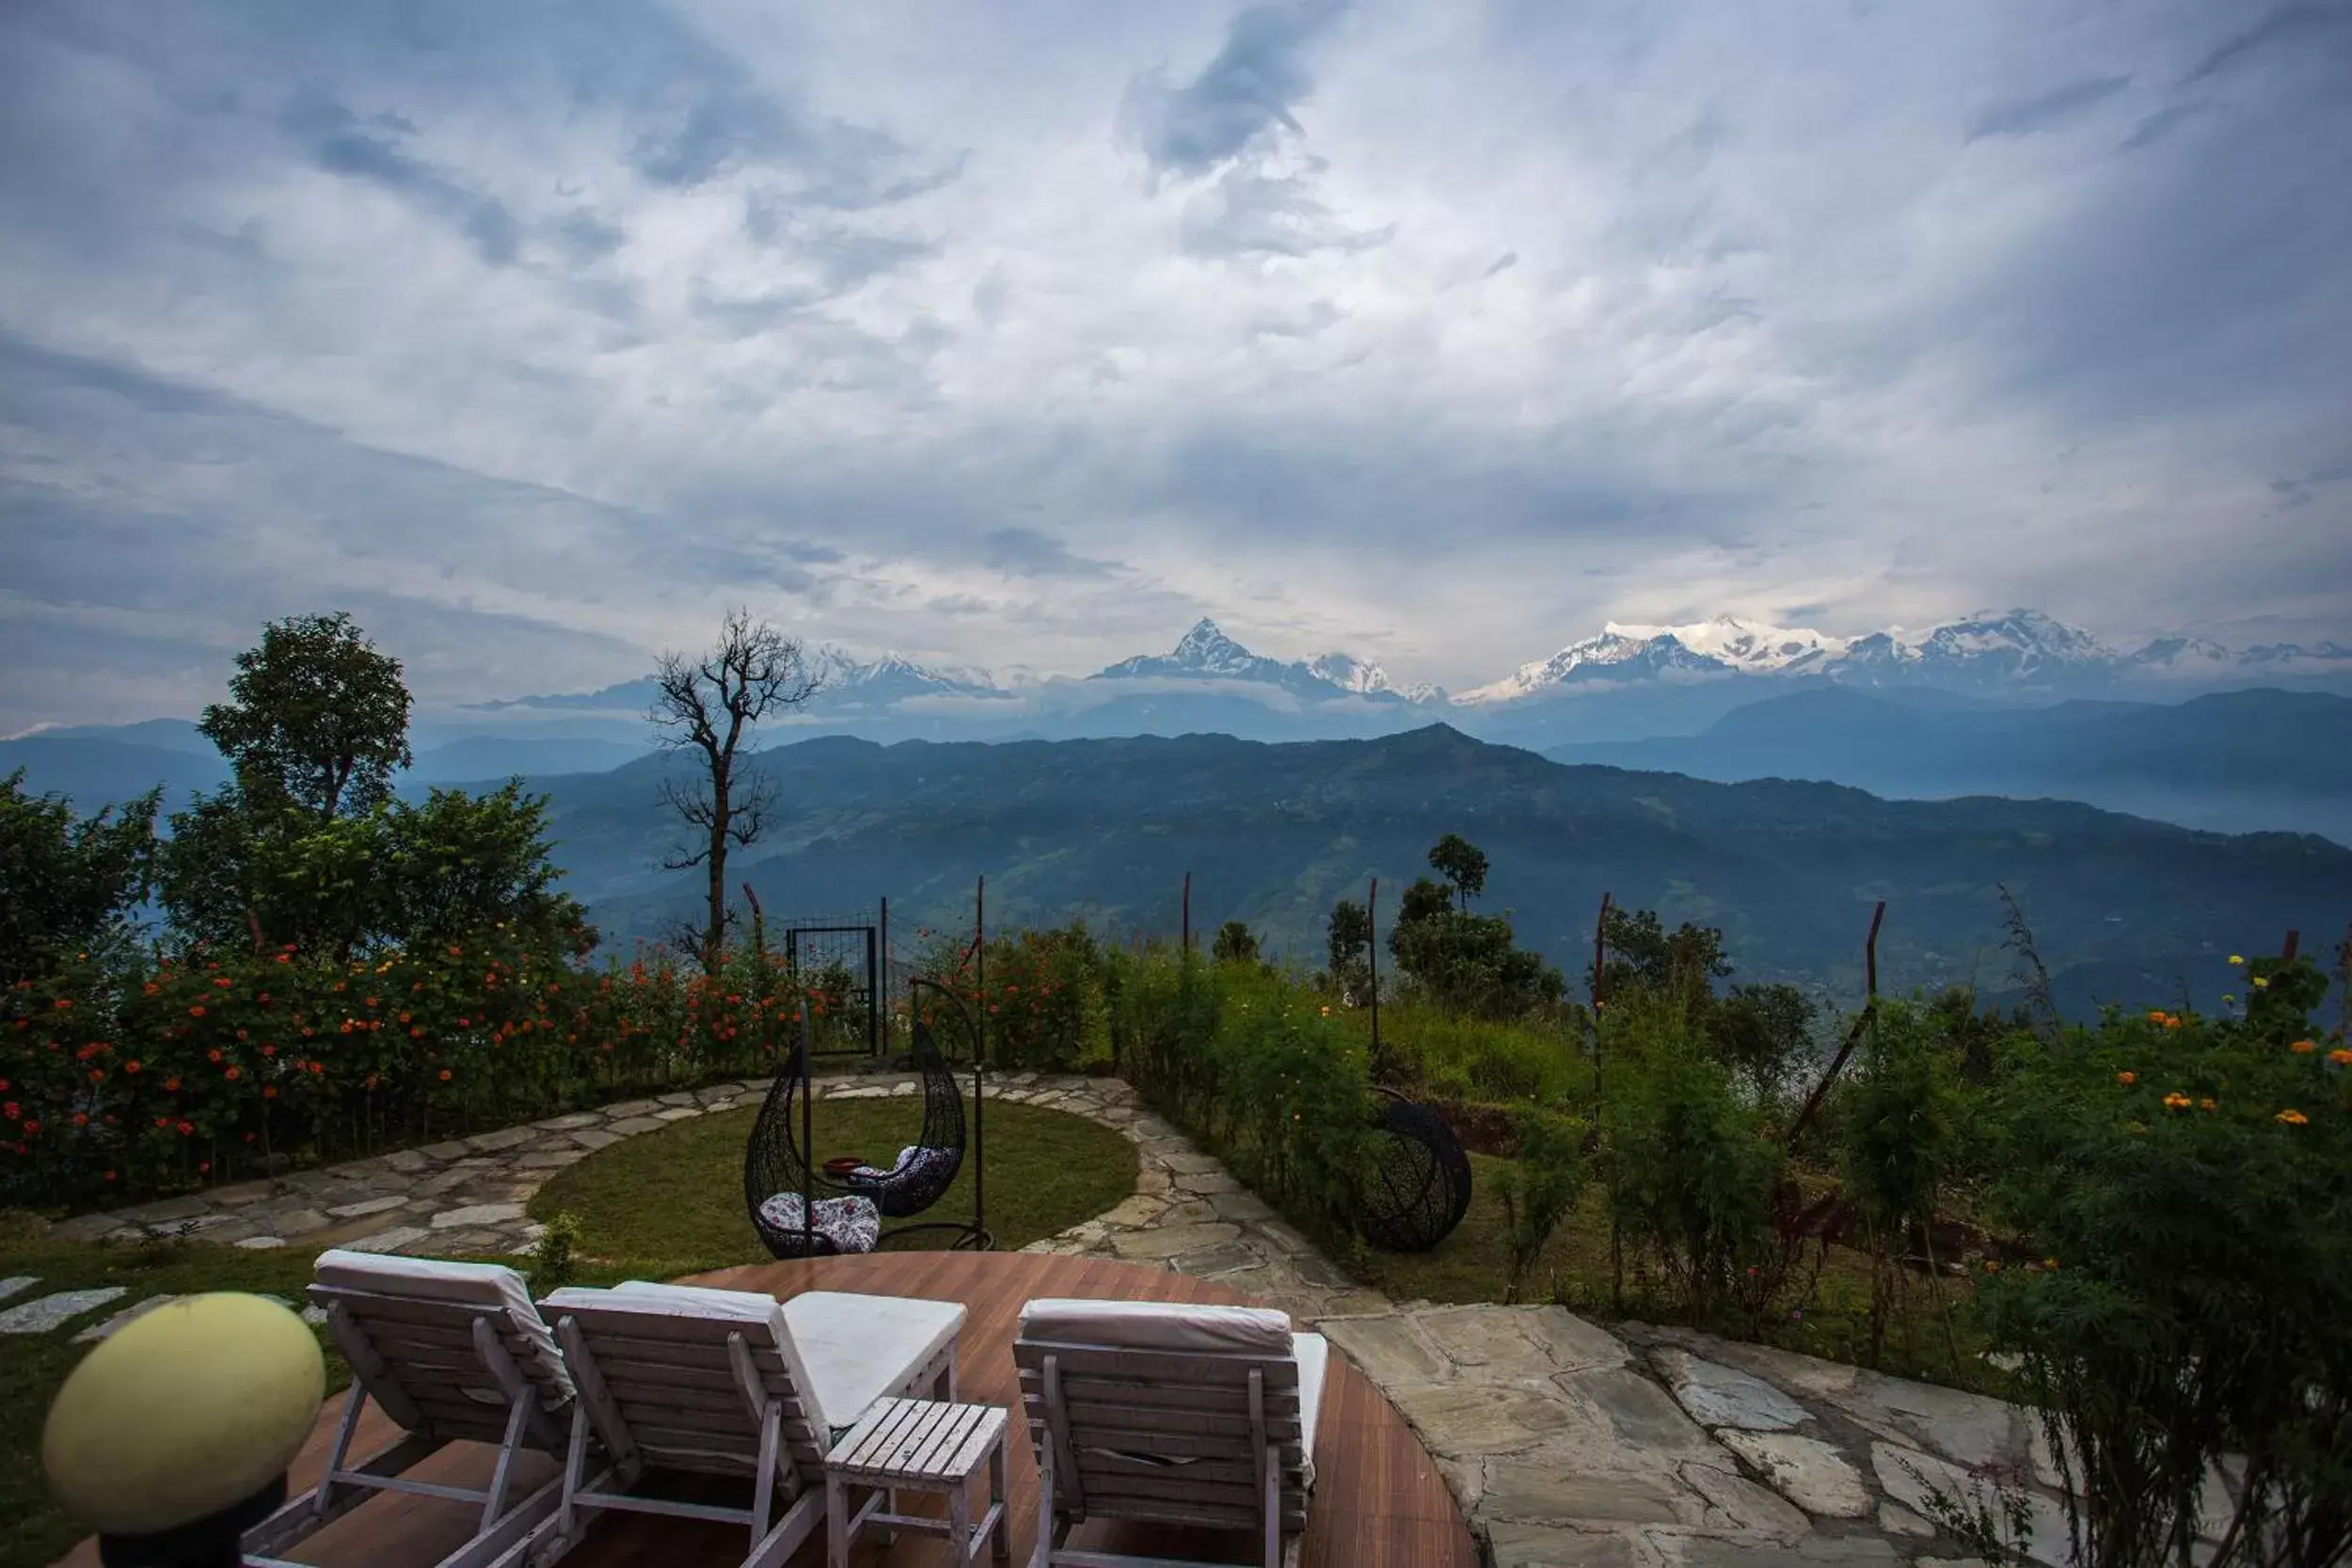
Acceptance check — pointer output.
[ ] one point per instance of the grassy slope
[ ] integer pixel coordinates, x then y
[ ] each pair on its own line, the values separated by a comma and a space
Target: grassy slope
656, 1205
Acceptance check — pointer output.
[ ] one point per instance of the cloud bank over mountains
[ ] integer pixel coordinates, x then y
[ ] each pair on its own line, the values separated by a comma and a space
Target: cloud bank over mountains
536, 335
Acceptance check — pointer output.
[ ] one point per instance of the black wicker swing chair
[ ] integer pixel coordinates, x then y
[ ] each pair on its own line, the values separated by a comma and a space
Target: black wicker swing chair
1418, 1187
803, 1212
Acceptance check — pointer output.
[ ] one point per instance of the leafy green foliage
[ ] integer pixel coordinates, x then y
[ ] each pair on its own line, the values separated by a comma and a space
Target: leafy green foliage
1235, 943
2184, 1178
1464, 961
1691, 1177
1641, 951
555, 1261
68, 888
317, 718
398, 874
1348, 938
1259, 1070
1462, 864
1765, 1033
1898, 1126
1540, 1188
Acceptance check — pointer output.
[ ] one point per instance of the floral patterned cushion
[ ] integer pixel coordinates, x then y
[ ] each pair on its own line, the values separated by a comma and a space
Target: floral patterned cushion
850, 1224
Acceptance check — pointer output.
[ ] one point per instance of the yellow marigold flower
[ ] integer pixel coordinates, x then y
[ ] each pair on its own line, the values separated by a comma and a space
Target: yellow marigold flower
2340, 1055
2292, 1117
2208, 1104
2261, 983
2127, 1077
2176, 1103
2302, 1048
2049, 1263
2237, 959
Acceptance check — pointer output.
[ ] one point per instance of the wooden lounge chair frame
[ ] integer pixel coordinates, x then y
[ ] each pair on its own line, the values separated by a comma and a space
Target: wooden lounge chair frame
708, 1395
1207, 1439
410, 1357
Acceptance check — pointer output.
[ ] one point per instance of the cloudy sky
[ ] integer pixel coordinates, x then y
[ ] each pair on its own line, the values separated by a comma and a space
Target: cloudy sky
537, 334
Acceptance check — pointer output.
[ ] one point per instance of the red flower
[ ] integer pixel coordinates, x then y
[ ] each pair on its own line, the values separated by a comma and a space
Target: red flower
186, 1128
197, 1011
131, 1066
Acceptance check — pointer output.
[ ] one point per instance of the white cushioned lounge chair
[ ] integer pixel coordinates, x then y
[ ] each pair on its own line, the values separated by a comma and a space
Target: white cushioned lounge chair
733, 1383
1177, 1415
453, 1352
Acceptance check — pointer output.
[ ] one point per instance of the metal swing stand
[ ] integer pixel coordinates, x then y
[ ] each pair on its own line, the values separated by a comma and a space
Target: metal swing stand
971, 1235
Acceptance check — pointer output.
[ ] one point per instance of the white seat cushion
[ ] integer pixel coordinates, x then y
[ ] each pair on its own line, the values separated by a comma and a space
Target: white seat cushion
761, 1316
1158, 1325
436, 1280
1314, 1360
860, 1348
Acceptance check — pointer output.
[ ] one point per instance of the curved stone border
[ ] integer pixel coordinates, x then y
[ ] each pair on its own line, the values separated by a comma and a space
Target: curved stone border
1565, 1443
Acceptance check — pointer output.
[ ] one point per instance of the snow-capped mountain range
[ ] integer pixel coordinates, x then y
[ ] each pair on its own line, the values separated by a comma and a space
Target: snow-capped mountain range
2020, 653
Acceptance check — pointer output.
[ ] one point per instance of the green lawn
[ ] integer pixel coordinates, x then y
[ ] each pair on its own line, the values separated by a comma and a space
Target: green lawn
671, 1202
656, 1205
1472, 1264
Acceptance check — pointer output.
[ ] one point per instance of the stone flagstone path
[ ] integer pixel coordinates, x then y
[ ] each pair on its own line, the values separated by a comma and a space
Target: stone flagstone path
1567, 1445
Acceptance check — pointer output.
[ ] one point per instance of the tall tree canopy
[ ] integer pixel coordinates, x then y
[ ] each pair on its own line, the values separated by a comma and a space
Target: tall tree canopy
67, 887
317, 718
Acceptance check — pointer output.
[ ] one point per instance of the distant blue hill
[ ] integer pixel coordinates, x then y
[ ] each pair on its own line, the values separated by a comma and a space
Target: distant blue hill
2250, 761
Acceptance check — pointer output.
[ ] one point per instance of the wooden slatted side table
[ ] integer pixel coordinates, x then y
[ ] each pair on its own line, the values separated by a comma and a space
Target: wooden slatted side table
920, 1445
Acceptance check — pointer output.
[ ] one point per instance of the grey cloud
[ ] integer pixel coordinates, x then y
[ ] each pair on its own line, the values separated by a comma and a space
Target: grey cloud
588, 237
1025, 552
2161, 124
339, 142
1248, 90
1247, 212
1501, 263
2025, 115
2328, 24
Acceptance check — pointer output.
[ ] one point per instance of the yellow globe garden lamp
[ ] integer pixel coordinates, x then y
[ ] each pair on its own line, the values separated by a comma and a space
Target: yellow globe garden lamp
172, 1438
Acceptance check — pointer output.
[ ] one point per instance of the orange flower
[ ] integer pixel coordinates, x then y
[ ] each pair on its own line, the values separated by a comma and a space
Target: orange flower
2340, 1055
2176, 1103
2292, 1117
196, 1012
2121, 1077
2170, 1021
2302, 1048
2208, 1105
2156, 1017
445, 1075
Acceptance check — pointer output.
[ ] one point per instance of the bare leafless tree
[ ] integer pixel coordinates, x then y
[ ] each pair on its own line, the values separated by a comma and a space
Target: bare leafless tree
707, 707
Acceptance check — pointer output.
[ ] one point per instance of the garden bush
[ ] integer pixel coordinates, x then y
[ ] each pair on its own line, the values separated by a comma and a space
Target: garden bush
1540, 1188
2183, 1180
1898, 1126
1690, 1177
149, 1074
1258, 1067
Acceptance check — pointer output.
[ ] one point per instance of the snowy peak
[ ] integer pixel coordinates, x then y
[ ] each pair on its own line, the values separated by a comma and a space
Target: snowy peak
1740, 645
1205, 653
1349, 673
2013, 645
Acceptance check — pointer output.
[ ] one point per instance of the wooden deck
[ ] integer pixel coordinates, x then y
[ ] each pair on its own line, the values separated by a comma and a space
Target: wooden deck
1378, 1502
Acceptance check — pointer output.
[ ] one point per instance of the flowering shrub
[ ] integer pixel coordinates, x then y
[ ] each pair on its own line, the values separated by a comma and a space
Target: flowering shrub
1044, 1002
120, 1082
2187, 1177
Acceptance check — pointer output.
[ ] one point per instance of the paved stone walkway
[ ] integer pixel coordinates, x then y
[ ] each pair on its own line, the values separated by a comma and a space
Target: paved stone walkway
1567, 1445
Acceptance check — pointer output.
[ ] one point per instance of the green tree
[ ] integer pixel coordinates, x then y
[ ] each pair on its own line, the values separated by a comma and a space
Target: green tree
1641, 951
1348, 938
68, 887
397, 876
1462, 864
1235, 943
1539, 1188
1764, 1033
317, 718
706, 708
1468, 962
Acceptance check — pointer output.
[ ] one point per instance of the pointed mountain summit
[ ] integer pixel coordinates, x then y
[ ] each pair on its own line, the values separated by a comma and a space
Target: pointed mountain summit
1206, 653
